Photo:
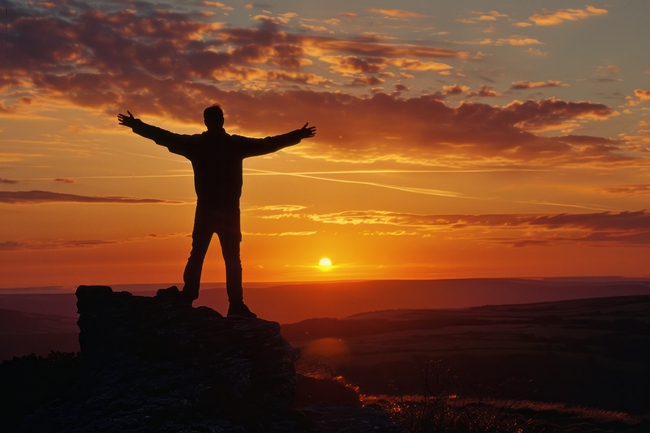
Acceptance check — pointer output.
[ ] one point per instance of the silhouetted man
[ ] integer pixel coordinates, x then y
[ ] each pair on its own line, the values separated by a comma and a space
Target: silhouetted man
217, 160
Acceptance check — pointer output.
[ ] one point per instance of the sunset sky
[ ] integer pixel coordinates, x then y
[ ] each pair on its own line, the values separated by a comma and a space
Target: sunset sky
456, 139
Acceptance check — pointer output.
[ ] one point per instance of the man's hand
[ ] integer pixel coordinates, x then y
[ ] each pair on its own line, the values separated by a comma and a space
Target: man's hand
306, 132
129, 120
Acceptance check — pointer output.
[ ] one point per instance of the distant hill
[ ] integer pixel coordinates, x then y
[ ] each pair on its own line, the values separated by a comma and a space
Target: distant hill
289, 303
295, 302
48, 322
589, 352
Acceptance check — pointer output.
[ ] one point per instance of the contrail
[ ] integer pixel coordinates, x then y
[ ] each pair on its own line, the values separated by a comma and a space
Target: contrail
426, 191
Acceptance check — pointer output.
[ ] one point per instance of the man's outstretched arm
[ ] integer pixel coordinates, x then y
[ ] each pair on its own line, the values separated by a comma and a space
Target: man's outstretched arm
262, 146
159, 135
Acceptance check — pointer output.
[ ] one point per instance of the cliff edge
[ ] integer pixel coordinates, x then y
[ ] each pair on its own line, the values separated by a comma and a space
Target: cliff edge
158, 365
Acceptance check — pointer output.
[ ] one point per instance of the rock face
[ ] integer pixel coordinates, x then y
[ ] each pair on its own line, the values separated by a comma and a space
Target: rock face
159, 365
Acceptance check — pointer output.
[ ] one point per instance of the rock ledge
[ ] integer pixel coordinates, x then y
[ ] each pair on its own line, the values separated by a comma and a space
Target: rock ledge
159, 365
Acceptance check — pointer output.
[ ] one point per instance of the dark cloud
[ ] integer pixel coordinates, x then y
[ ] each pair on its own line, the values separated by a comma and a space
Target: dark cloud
36, 197
47, 245
366, 81
471, 130
353, 64
168, 43
625, 228
7, 81
628, 189
63, 180
603, 221
169, 64
5, 180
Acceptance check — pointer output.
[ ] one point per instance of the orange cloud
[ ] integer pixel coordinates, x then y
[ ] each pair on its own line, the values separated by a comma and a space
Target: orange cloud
353, 64
317, 29
484, 92
642, 94
218, 5
417, 65
373, 37
320, 45
562, 15
455, 89
397, 13
512, 40
281, 234
519, 85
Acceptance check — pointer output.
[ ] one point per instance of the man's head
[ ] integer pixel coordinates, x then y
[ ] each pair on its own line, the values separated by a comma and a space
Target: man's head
213, 117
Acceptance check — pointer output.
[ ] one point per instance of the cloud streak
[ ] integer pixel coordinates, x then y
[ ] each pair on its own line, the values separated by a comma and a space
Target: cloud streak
627, 189
39, 196
623, 228
51, 244
424, 191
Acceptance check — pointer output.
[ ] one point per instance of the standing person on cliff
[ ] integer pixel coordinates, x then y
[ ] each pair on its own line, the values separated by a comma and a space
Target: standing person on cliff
217, 159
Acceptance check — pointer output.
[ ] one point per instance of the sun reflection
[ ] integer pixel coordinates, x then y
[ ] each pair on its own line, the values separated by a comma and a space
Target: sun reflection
327, 347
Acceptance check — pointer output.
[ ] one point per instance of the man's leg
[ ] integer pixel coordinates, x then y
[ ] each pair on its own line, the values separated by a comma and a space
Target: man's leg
230, 248
230, 239
201, 236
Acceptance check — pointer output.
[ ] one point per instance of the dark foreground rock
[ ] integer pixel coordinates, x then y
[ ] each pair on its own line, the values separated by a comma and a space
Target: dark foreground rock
158, 365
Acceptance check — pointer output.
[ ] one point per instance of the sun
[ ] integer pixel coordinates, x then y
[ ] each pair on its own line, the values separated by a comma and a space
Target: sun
325, 262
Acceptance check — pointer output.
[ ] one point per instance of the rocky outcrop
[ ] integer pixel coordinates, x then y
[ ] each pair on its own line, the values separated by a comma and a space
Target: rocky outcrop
160, 365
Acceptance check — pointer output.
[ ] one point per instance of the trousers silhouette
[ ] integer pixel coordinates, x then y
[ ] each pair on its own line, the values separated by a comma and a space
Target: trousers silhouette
226, 226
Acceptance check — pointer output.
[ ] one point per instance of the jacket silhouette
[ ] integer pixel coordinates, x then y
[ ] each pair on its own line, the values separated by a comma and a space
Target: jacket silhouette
217, 159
